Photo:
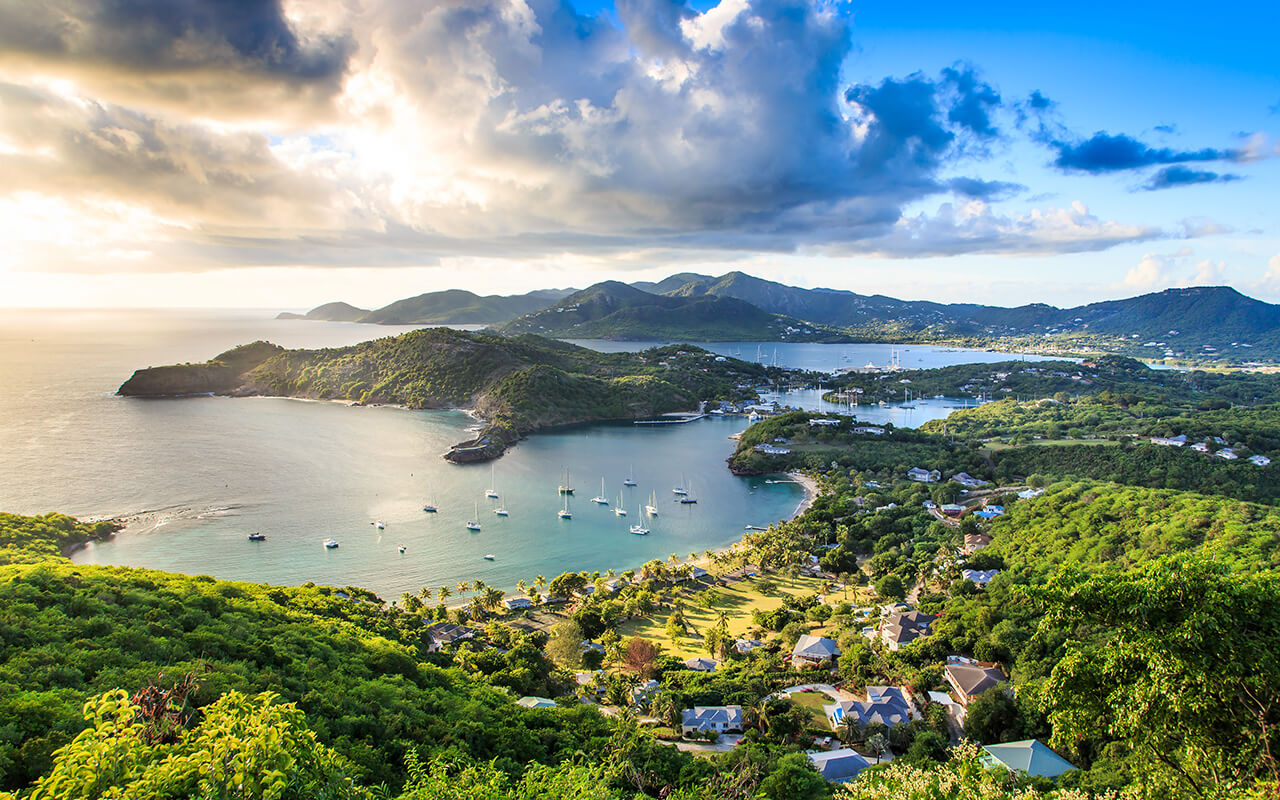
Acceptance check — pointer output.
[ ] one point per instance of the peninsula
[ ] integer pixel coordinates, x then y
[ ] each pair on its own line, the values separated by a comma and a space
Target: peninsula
519, 384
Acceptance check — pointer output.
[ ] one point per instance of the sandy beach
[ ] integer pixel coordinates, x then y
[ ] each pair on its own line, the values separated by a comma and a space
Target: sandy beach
810, 492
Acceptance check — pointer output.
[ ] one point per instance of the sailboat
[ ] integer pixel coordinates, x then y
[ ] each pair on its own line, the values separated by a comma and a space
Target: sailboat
491, 492
565, 513
488, 556
472, 525
618, 509
652, 508
330, 544
630, 480
501, 511
401, 549
566, 487
686, 500
379, 524
600, 498
680, 490
638, 529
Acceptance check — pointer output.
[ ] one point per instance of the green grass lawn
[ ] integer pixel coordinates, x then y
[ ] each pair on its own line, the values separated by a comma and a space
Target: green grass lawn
813, 703
739, 599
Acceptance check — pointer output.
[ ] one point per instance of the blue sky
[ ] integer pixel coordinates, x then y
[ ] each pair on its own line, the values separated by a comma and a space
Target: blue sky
297, 153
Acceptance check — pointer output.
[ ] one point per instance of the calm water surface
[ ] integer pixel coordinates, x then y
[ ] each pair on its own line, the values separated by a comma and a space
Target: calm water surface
197, 475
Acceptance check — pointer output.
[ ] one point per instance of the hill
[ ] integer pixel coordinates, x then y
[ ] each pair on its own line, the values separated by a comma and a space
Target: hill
613, 310
455, 306
520, 384
329, 312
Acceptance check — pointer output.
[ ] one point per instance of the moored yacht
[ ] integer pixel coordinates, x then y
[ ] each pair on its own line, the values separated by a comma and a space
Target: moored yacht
330, 543
600, 499
472, 524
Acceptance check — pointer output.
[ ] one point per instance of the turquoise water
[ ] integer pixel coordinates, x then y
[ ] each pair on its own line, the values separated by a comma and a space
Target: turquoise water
196, 476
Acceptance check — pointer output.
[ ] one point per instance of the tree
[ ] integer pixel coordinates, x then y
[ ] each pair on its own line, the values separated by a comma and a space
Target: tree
794, 778
1187, 674
993, 717
567, 584
890, 587
663, 705
639, 655
675, 626
565, 645
928, 747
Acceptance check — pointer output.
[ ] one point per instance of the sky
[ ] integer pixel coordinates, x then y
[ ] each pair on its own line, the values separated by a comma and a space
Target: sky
230, 153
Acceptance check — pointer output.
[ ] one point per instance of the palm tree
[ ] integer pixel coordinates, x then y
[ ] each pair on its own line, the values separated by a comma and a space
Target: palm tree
491, 598
663, 706
522, 587
850, 729
540, 582
425, 593
478, 586
462, 586
673, 558
443, 593
709, 553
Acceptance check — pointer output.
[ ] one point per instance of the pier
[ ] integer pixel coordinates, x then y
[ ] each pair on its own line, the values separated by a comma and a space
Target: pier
681, 420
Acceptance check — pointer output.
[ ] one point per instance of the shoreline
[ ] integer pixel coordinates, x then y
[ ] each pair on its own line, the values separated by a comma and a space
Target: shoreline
811, 492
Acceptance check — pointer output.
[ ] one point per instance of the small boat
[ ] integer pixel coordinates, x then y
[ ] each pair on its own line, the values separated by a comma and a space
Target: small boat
330, 543
472, 525
491, 492
488, 556
639, 530
565, 513
688, 501
379, 524
630, 479
501, 512
600, 499
401, 549
680, 490
430, 509
566, 487
652, 508
618, 510
257, 537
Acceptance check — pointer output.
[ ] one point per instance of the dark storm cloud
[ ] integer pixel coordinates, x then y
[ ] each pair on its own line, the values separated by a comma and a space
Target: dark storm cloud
1171, 177
984, 190
1104, 152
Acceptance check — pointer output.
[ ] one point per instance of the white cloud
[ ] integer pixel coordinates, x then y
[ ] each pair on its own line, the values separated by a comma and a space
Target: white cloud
1156, 271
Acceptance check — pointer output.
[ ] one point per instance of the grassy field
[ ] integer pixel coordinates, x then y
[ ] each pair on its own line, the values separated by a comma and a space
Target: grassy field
994, 446
813, 703
738, 599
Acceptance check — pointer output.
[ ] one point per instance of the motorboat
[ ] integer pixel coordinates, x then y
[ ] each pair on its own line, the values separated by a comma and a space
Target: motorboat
257, 537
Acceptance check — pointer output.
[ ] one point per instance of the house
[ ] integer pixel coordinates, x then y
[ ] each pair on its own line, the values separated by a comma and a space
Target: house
1259, 461
587, 645
720, 719
1178, 441
838, 766
745, 646
590, 683
1227, 453
772, 450
1200, 447
823, 423
989, 512
701, 664
970, 678
516, 603
952, 509
901, 629
814, 651
1029, 494
968, 481
874, 430
444, 634
979, 576
886, 705
536, 702
930, 505
614, 584
1030, 756
923, 475
973, 542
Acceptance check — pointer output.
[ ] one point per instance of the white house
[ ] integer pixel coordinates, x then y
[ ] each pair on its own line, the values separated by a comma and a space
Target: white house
923, 475
813, 651
1227, 453
823, 423
1259, 461
745, 646
968, 481
1169, 442
979, 576
874, 430
516, 603
701, 664
536, 702
720, 719
772, 450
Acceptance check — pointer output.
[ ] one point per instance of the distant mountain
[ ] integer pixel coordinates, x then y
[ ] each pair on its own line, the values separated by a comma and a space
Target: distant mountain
671, 284
613, 310
1217, 315
329, 312
457, 306
451, 306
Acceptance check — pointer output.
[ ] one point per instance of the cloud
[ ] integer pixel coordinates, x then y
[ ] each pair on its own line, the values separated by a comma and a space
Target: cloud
1104, 152
207, 54
974, 227
389, 132
1177, 175
1157, 271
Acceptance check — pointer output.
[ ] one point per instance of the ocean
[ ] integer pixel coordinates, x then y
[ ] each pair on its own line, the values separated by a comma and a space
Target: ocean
195, 476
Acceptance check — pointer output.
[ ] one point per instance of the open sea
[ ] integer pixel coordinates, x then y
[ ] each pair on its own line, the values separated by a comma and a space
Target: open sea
195, 476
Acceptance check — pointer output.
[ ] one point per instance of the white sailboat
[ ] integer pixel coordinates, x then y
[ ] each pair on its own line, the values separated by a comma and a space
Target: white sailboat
565, 513
679, 489
618, 509
688, 500
491, 492
652, 508
473, 525
638, 529
600, 499
630, 480
566, 487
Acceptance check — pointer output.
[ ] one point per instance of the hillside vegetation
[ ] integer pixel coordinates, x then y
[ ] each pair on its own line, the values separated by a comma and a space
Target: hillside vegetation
519, 384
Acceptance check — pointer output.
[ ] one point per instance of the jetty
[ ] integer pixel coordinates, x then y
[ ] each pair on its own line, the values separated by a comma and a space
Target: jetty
676, 419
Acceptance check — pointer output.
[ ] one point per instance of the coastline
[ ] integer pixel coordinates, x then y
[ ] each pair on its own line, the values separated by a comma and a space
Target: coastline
810, 487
